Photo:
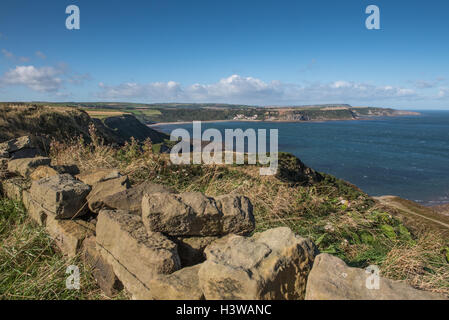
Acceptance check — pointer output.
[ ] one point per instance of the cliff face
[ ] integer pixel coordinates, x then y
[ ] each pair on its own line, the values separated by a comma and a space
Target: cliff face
65, 123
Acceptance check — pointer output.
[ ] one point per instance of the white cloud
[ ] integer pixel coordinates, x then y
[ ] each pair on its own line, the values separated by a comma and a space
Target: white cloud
45, 79
249, 90
41, 55
7, 54
12, 56
443, 93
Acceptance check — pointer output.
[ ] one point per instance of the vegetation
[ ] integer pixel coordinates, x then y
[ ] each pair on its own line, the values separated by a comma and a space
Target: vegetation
340, 218
31, 267
178, 112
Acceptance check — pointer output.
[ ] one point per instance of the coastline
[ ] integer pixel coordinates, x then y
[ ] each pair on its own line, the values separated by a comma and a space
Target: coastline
283, 121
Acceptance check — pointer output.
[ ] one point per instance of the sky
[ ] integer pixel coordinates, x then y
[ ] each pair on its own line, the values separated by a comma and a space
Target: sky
234, 51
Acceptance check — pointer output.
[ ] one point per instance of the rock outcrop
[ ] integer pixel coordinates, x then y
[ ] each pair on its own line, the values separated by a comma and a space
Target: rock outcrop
194, 214
270, 265
332, 279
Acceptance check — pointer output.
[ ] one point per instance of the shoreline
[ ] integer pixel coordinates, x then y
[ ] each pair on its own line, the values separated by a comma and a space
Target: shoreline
282, 121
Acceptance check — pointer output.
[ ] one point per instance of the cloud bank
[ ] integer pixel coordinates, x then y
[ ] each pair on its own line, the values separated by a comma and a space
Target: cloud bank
238, 89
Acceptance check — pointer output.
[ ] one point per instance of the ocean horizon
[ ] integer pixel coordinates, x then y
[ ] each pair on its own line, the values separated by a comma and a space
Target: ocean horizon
406, 156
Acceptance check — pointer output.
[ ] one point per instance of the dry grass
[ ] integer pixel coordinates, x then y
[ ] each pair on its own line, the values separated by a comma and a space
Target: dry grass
340, 219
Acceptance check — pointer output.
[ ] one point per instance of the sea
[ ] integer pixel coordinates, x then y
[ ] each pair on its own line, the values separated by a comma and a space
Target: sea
407, 156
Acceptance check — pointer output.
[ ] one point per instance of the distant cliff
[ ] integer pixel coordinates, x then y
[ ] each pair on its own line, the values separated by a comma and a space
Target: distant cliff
65, 123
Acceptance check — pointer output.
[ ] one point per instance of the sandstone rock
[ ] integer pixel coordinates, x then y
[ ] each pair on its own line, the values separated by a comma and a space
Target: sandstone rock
194, 214
131, 199
98, 175
136, 255
13, 188
101, 269
26, 166
62, 195
191, 249
103, 189
68, 234
180, 285
43, 172
15, 145
270, 265
332, 279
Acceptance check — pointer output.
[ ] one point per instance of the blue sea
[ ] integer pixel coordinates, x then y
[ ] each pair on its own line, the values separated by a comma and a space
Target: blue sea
405, 156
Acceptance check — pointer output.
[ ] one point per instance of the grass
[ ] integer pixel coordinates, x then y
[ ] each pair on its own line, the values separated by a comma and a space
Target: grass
30, 266
340, 218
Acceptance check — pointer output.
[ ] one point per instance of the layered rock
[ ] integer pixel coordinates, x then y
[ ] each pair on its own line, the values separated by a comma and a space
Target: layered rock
43, 172
194, 214
26, 166
101, 269
332, 279
131, 199
270, 265
180, 285
136, 255
99, 175
103, 189
61, 195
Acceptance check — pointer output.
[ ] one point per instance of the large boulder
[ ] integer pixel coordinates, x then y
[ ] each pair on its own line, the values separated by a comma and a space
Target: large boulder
194, 214
61, 195
131, 199
180, 285
103, 189
136, 255
98, 175
26, 166
101, 269
332, 279
270, 265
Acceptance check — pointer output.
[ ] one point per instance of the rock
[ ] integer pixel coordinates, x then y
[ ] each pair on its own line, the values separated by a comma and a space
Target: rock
194, 214
102, 271
191, 249
68, 234
332, 279
62, 195
135, 254
43, 172
26, 166
180, 285
70, 169
15, 145
27, 153
4, 154
103, 189
270, 265
131, 199
13, 188
99, 175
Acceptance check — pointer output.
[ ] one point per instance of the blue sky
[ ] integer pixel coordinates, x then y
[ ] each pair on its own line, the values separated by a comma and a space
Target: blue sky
250, 52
